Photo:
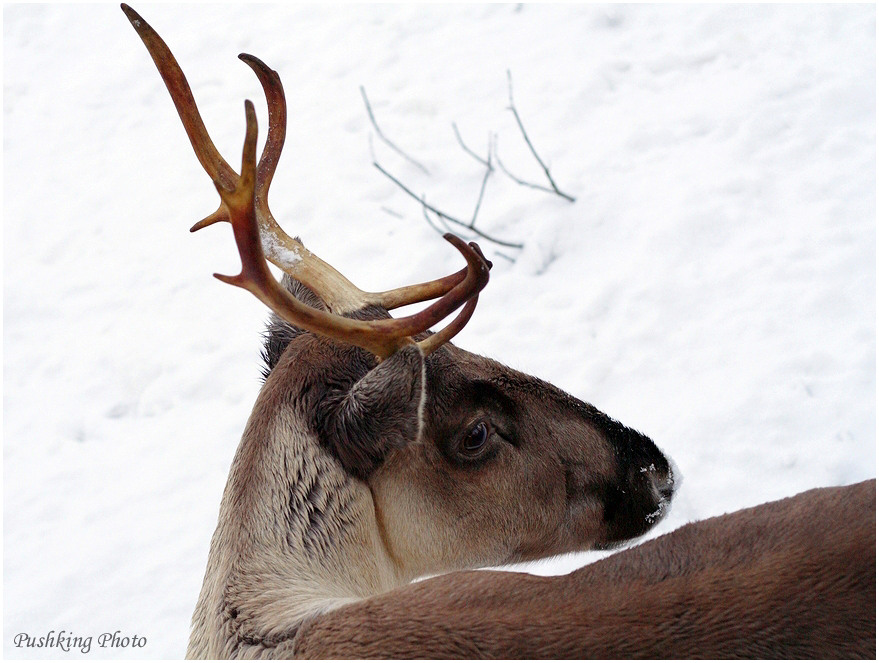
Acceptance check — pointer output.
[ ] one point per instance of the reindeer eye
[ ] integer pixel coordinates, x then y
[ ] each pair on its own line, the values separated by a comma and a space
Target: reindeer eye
475, 439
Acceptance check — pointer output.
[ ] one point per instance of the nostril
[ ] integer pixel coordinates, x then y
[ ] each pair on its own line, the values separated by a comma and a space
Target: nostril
667, 488
662, 481
672, 479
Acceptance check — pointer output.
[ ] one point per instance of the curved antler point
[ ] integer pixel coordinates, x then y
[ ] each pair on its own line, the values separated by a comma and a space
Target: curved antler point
225, 278
133, 17
221, 214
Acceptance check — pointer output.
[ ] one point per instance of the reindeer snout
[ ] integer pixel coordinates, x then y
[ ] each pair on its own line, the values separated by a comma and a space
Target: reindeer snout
642, 494
662, 481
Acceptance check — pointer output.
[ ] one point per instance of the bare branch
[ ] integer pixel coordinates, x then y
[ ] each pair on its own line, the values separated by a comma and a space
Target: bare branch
484, 162
489, 169
391, 212
443, 215
488, 172
385, 138
517, 180
555, 189
446, 227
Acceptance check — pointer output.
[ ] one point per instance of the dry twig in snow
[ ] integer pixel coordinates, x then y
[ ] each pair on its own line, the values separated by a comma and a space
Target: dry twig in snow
552, 183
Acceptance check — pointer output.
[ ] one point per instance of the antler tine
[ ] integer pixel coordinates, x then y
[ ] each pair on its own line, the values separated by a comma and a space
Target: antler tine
445, 335
412, 294
268, 162
421, 292
277, 132
382, 337
258, 235
181, 94
289, 253
286, 252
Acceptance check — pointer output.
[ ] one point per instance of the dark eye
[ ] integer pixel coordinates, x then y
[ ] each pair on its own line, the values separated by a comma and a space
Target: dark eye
474, 440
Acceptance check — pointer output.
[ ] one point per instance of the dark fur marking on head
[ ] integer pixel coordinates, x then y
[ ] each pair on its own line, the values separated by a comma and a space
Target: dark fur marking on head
369, 409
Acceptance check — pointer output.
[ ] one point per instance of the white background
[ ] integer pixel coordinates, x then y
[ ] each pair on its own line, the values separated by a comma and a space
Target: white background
713, 285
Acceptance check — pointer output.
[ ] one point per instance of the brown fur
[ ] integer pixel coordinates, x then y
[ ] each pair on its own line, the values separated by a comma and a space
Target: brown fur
789, 579
349, 483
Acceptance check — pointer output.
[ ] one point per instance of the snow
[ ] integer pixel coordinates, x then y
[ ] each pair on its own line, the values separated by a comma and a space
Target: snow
713, 285
275, 249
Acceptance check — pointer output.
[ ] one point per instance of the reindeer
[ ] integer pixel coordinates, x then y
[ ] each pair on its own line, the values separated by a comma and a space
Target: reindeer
377, 452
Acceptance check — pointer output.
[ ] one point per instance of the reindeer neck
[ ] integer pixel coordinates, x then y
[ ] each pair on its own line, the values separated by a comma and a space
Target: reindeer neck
297, 537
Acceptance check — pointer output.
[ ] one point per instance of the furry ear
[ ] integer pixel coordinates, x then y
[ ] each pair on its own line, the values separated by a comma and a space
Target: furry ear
381, 411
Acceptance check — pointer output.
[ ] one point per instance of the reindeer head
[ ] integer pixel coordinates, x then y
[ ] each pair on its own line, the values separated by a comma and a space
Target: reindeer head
511, 455
467, 462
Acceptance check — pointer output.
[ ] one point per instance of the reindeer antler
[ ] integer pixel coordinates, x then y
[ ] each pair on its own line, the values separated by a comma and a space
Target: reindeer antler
258, 236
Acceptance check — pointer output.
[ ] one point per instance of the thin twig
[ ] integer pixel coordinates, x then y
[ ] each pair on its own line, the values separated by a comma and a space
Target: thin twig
489, 169
443, 215
488, 172
426, 212
385, 138
446, 228
388, 210
517, 180
555, 189
486, 163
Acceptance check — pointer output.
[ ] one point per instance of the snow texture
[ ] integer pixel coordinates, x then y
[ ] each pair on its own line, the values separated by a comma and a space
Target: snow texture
713, 285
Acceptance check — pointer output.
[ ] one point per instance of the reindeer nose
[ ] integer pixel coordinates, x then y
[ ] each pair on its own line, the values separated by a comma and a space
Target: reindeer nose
663, 482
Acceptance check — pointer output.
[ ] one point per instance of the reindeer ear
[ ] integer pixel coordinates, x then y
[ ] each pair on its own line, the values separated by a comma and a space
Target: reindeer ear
381, 411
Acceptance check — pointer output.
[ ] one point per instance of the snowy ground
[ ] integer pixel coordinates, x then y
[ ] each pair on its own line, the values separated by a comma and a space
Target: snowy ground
713, 285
